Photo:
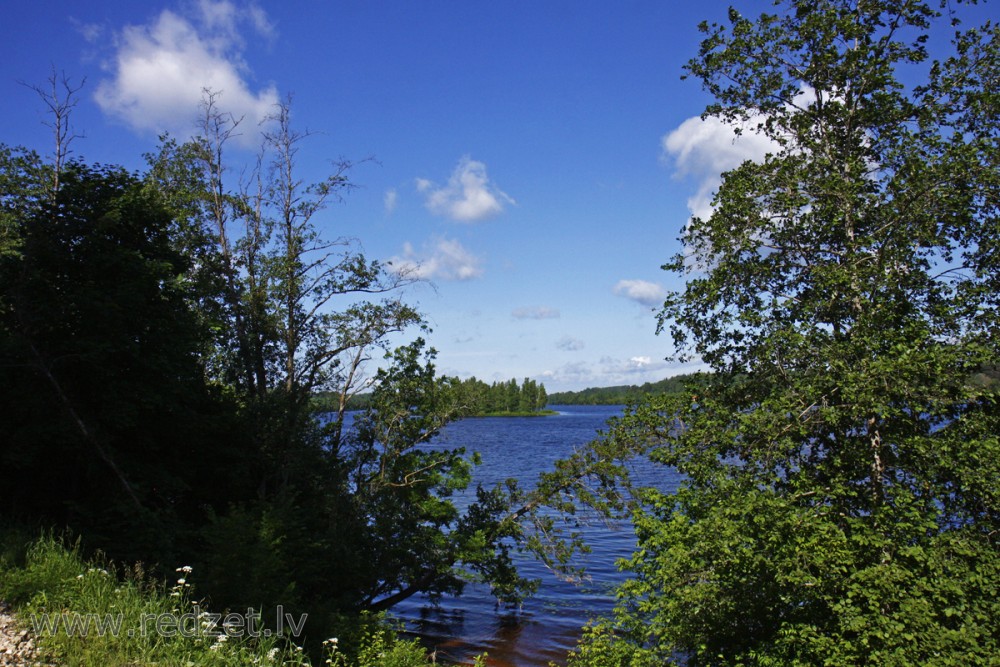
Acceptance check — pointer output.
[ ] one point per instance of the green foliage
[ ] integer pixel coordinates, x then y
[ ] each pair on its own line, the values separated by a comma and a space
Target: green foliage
370, 641
402, 492
476, 398
23, 188
106, 408
624, 394
840, 503
472, 398
601, 645
161, 338
85, 613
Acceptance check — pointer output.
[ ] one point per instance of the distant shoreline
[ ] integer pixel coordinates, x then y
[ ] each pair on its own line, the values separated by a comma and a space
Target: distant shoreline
535, 413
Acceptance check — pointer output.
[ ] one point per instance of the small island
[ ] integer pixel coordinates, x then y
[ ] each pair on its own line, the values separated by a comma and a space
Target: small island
471, 398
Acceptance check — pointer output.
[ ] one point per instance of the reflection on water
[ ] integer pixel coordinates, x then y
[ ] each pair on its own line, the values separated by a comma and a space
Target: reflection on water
548, 624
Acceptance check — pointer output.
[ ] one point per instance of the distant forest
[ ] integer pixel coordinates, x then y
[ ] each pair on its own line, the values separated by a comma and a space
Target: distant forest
471, 397
623, 393
509, 398
988, 375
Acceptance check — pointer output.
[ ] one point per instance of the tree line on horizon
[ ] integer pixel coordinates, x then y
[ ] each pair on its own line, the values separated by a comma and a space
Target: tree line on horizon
624, 394
472, 398
689, 383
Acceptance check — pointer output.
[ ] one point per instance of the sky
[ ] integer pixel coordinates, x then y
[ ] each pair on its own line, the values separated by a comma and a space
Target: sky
535, 161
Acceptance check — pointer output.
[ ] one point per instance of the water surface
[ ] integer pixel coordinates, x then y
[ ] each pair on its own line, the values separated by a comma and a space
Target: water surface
548, 624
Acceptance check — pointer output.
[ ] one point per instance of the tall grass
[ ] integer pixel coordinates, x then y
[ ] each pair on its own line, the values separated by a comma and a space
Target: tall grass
91, 613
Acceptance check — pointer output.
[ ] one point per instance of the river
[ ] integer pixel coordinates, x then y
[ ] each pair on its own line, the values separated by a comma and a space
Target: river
549, 623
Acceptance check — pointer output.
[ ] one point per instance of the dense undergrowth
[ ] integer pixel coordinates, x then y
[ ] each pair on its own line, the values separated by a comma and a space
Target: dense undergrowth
88, 611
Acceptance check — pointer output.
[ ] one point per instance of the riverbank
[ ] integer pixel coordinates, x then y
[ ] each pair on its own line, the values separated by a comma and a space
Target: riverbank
89, 612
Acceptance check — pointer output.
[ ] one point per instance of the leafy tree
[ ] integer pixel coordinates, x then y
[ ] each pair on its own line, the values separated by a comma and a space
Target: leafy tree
541, 398
296, 314
107, 416
161, 339
403, 493
22, 189
475, 398
840, 502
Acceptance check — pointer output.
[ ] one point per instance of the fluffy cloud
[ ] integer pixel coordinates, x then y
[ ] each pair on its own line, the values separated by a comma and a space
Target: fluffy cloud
577, 375
160, 70
704, 148
636, 369
535, 313
641, 291
469, 196
389, 201
607, 372
570, 344
445, 259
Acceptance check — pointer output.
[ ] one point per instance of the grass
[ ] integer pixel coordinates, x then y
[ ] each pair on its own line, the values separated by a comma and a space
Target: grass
92, 613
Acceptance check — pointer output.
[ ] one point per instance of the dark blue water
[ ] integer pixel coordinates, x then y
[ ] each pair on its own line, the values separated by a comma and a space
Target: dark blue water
548, 624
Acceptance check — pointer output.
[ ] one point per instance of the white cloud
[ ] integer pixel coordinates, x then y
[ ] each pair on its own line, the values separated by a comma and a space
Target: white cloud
445, 259
607, 372
91, 32
390, 200
570, 344
160, 70
577, 375
469, 196
217, 16
641, 291
223, 18
636, 369
535, 313
704, 148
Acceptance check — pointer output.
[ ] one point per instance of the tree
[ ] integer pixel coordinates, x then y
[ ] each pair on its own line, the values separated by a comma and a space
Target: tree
60, 100
22, 189
840, 503
541, 399
296, 312
529, 396
403, 492
161, 339
321, 347
107, 416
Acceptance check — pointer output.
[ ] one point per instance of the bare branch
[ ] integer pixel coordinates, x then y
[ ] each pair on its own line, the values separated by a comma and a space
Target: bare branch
60, 99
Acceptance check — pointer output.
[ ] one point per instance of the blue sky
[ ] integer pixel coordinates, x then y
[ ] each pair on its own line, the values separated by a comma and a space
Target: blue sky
534, 160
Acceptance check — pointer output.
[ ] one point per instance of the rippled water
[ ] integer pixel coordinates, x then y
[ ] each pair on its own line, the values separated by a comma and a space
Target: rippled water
548, 624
